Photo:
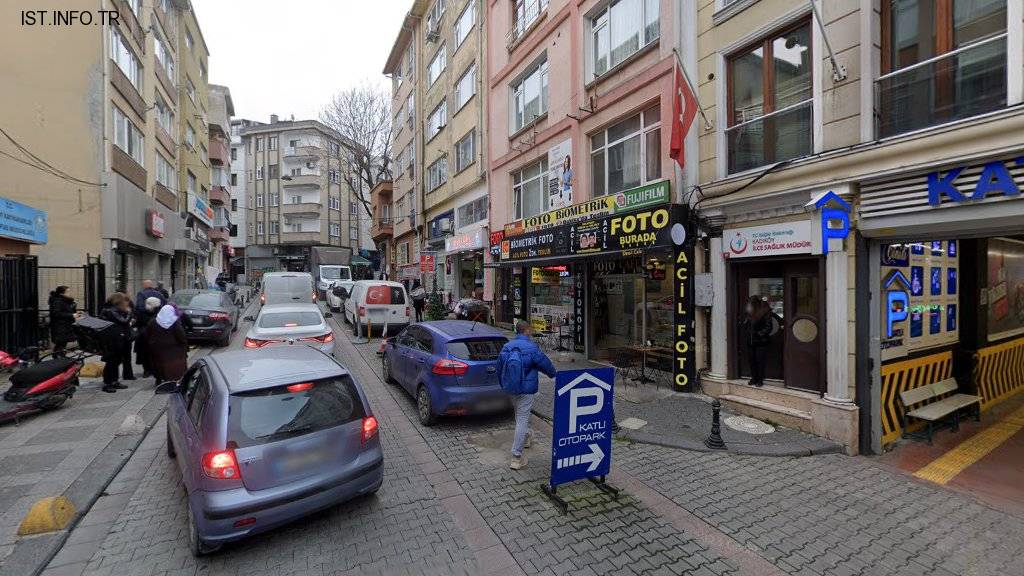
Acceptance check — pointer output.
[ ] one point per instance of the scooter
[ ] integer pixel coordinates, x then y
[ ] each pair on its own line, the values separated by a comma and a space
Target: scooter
39, 384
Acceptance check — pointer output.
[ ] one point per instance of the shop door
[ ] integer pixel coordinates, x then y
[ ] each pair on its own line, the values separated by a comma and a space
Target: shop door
793, 290
617, 318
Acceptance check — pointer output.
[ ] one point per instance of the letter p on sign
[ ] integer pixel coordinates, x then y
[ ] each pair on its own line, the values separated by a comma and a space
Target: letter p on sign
576, 410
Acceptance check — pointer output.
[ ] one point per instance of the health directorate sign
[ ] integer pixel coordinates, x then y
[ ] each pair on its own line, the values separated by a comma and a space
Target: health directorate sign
22, 222
581, 445
769, 240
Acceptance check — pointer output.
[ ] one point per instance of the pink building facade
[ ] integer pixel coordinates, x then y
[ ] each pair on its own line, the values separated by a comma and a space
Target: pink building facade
579, 111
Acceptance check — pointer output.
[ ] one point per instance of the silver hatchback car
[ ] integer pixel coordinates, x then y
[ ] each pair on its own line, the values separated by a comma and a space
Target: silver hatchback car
264, 437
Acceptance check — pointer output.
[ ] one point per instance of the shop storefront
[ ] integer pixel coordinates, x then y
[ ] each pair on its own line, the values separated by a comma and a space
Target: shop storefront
464, 263
608, 276
946, 256
439, 276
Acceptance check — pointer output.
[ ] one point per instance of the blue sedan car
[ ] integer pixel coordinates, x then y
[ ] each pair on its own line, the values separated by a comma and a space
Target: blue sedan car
264, 437
449, 367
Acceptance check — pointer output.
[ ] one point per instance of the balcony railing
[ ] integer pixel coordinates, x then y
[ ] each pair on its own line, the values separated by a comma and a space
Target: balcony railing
301, 152
219, 195
302, 180
523, 19
965, 82
781, 135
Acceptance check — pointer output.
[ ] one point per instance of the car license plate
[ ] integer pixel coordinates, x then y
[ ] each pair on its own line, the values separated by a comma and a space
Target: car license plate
491, 405
290, 462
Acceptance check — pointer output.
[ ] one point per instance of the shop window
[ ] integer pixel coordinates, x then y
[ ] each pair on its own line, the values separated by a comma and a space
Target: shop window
529, 196
621, 30
627, 154
551, 295
941, 61
1005, 288
770, 97
921, 296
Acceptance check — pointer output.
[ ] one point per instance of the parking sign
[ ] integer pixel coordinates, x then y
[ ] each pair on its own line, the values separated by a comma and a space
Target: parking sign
582, 435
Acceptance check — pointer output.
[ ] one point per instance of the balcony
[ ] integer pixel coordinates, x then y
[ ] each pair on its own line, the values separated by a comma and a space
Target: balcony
300, 237
301, 180
965, 82
220, 195
219, 151
302, 152
219, 234
523, 21
781, 135
382, 229
302, 209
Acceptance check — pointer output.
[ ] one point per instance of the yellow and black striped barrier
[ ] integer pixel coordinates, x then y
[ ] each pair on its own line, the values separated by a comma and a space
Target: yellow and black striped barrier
999, 372
905, 375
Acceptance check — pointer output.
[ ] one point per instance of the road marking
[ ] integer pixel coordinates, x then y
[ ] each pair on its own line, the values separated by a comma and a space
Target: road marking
946, 467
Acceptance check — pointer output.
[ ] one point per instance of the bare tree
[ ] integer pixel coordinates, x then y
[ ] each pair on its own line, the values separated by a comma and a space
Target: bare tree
362, 116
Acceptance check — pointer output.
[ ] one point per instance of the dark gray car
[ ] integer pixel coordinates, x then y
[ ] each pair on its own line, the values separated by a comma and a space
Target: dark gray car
265, 437
209, 315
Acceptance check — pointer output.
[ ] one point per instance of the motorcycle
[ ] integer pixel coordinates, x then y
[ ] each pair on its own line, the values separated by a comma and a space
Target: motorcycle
38, 384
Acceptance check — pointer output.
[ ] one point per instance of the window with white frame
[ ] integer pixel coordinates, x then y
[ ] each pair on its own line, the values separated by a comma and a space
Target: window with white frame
353, 209
353, 233
259, 200
234, 153
525, 13
466, 87
259, 228
190, 135
163, 56
259, 143
465, 151
334, 148
434, 15
530, 95
410, 110
165, 172
464, 25
437, 65
191, 90
334, 176
189, 42
122, 55
275, 227
400, 209
621, 30
410, 61
259, 172
164, 115
136, 6
272, 143
296, 172
529, 190
403, 253
627, 153
192, 182
296, 199
127, 137
333, 203
275, 199
335, 229
471, 212
438, 119
437, 173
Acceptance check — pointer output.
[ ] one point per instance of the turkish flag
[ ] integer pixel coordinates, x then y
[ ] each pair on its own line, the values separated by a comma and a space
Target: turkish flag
684, 110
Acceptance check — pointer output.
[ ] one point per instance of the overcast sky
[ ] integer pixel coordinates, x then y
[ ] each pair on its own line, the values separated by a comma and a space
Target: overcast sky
291, 56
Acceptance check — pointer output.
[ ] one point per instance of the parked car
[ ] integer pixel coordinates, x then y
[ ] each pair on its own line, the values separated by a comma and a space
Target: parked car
209, 315
287, 288
374, 303
337, 294
265, 437
448, 366
290, 324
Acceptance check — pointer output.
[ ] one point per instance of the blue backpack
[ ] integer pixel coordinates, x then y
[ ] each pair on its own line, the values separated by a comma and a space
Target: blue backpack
512, 372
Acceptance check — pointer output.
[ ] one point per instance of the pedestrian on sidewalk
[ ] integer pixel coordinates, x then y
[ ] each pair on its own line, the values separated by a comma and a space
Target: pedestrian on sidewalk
518, 363
419, 299
117, 310
759, 330
167, 345
63, 313
141, 346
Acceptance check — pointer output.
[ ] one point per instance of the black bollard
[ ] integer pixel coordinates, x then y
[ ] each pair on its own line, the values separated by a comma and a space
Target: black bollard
714, 440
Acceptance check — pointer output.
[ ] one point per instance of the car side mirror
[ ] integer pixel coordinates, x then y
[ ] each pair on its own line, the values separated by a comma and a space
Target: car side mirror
167, 388
328, 315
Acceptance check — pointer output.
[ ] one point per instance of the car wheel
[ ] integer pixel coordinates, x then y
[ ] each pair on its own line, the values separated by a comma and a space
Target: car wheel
386, 369
170, 445
424, 407
195, 543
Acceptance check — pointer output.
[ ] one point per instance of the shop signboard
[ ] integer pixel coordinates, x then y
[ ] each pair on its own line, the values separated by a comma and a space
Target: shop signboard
768, 240
653, 194
200, 209
409, 272
442, 224
560, 175
996, 179
155, 223
496, 238
470, 241
683, 355
582, 428
427, 263
22, 222
579, 325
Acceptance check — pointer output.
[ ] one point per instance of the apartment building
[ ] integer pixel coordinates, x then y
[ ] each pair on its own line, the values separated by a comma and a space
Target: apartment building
437, 67
382, 226
296, 195
863, 178
221, 110
239, 196
108, 114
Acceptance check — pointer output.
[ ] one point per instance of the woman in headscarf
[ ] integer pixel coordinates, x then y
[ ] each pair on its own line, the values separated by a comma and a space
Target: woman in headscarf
166, 345
152, 305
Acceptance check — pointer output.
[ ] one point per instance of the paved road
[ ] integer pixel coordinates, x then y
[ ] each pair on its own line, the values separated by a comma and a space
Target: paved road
449, 504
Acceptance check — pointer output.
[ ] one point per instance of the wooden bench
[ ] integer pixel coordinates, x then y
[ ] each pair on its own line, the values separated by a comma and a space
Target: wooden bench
936, 412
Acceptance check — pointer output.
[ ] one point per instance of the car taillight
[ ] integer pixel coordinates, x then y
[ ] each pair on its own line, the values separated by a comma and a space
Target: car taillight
263, 298
256, 343
323, 338
221, 465
296, 388
449, 367
362, 310
314, 296
369, 428
219, 316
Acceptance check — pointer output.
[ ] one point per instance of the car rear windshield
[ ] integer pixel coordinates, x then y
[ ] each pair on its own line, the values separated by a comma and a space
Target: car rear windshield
335, 274
272, 414
289, 284
197, 300
383, 294
476, 349
289, 319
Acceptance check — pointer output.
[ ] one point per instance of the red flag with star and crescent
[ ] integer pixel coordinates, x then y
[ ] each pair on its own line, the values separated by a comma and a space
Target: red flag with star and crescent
684, 110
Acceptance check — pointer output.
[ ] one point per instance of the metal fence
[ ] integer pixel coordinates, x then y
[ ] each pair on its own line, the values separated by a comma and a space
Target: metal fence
19, 302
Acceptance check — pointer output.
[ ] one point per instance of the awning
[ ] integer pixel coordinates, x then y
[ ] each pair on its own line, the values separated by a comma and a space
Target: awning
359, 261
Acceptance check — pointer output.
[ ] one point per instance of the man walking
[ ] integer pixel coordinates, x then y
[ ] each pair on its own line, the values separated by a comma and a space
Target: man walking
518, 364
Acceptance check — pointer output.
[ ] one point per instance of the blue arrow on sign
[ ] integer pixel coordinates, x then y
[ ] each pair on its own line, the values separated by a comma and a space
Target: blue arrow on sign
582, 428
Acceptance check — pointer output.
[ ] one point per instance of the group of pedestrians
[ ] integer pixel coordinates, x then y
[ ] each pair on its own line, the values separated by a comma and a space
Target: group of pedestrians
150, 322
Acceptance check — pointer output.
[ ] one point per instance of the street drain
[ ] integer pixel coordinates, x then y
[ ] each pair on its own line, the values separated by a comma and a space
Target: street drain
748, 425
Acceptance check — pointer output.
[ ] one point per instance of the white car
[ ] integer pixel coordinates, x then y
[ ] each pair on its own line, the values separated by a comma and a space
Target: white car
290, 324
376, 304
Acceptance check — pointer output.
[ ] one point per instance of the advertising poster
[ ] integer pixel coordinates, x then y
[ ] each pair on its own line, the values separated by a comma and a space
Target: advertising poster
920, 281
1005, 288
560, 175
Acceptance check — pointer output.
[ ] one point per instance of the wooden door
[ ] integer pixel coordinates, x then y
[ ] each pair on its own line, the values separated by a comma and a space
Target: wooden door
804, 326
